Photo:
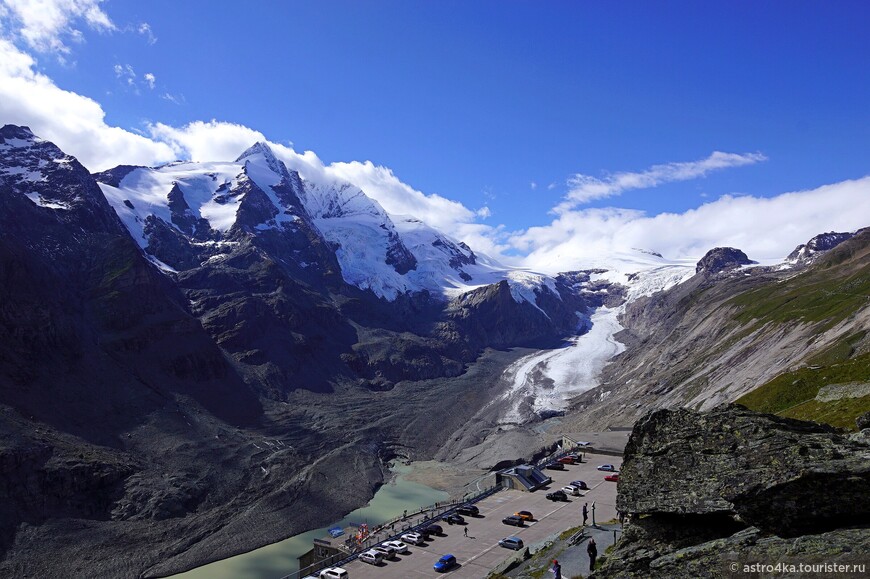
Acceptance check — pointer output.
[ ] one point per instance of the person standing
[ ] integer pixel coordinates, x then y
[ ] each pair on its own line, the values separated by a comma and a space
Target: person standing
585, 513
592, 549
466, 531
557, 569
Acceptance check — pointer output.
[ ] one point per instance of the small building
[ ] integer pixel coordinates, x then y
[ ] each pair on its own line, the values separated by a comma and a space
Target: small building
524, 477
335, 546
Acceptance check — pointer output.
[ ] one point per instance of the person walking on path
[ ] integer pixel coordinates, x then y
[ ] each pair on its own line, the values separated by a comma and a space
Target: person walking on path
466, 531
585, 513
592, 549
556, 569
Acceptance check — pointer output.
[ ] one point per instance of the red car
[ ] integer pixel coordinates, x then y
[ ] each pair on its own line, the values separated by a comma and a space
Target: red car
567, 460
612, 477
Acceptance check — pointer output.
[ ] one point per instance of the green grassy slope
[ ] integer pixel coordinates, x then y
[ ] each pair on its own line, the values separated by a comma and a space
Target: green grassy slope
830, 292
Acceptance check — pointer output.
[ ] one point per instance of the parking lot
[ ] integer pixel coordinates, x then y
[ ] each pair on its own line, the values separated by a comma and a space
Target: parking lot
478, 553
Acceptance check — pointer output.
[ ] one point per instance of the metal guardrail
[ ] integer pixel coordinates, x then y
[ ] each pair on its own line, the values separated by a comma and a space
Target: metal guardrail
388, 531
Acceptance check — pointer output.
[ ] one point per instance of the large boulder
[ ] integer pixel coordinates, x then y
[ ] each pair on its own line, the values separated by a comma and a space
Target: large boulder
770, 471
730, 486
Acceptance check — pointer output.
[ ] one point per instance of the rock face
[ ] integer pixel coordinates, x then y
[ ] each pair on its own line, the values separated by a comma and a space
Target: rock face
733, 481
722, 259
807, 252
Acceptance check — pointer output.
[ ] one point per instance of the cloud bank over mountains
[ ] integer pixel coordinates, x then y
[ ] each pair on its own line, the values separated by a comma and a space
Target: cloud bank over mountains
766, 228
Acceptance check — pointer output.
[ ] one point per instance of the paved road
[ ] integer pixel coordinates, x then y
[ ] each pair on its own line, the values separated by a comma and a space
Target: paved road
478, 553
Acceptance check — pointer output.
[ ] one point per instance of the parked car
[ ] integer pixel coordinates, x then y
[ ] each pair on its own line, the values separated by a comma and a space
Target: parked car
566, 460
387, 551
612, 477
454, 519
333, 573
607, 467
432, 529
555, 466
571, 490
413, 538
513, 520
514, 543
525, 515
445, 563
399, 546
557, 496
470, 510
371, 557
580, 485
577, 458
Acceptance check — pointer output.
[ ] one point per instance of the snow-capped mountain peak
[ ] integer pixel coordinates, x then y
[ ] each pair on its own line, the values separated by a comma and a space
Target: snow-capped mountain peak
261, 150
16, 136
388, 255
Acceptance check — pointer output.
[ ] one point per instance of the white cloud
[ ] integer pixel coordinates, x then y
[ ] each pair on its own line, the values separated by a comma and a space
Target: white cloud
765, 228
584, 188
74, 122
172, 98
533, 185
150, 79
145, 30
206, 141
126, 74
44, 25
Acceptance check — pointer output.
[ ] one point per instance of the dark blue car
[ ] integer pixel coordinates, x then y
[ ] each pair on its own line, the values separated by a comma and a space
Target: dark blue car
445, 563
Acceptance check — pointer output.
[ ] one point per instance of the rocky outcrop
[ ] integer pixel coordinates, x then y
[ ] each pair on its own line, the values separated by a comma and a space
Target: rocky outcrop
183, 218
721, 259
398, 255
255, 208
115, 175
491, 316
650, 549
807, 252
734, 481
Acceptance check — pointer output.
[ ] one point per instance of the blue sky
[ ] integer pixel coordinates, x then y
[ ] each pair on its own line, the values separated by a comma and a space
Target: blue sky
497, 104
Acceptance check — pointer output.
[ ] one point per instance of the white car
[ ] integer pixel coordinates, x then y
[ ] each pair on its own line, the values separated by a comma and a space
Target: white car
399, 546
571, 490
333, 573
371, 557
413, 538
607, 467
387, 551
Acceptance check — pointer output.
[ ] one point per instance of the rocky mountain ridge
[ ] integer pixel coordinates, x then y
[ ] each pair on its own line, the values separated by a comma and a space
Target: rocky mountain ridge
809, 251
183, 366
715, 338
